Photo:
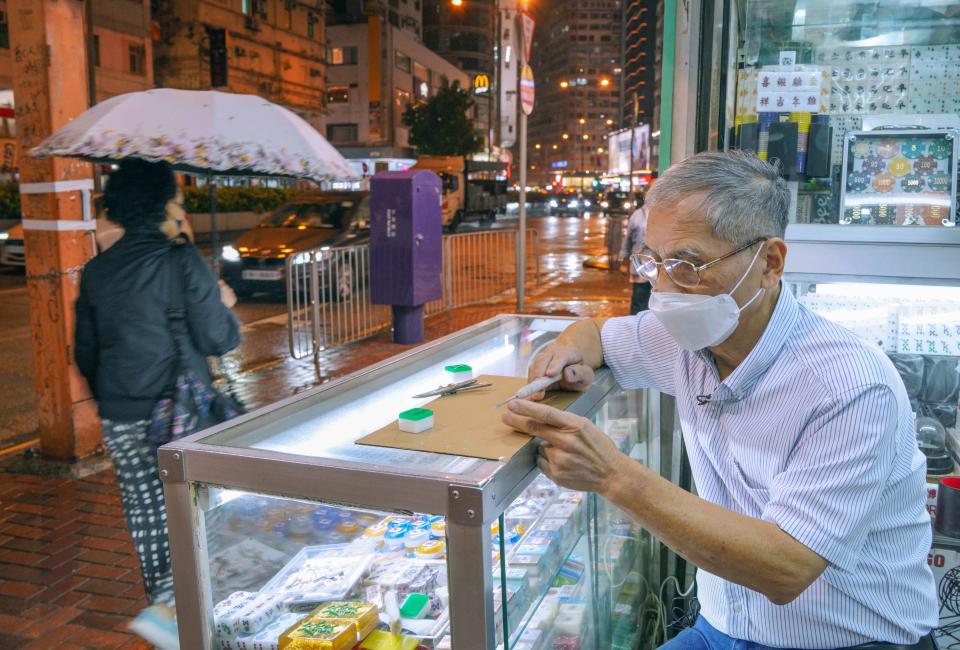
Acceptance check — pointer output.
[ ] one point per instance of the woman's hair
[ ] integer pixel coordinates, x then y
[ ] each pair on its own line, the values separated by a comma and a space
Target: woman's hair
137, 193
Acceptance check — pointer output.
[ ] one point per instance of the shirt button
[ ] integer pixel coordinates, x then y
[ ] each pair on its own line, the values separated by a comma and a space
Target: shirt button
737, 607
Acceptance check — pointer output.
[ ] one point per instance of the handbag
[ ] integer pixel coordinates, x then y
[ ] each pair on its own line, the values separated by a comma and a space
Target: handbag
190, 403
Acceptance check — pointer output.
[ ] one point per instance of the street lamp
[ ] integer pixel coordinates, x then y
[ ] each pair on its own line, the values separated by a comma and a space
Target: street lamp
564, 84
566, 136
604, 82
582, 121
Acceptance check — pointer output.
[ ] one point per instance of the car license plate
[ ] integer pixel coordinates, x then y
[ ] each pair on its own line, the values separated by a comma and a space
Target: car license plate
262, 275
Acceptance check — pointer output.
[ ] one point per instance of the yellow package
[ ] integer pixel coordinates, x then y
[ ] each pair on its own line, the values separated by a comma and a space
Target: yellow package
381, 640
364, 615
313, 634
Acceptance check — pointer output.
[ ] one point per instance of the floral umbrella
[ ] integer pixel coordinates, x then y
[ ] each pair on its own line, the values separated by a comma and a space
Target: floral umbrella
200, 132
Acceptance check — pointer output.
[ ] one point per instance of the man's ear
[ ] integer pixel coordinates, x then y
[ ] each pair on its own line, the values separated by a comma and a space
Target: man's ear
775, 256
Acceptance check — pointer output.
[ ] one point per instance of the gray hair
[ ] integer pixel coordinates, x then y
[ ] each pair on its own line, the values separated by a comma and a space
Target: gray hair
745, 198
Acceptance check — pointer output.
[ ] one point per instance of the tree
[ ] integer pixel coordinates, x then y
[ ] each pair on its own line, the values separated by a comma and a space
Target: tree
439, 126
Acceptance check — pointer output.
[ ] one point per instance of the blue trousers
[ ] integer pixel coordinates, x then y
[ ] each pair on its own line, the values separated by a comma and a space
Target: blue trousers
703, 636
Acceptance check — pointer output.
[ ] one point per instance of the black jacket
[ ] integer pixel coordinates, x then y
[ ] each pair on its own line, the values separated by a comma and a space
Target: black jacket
123, 343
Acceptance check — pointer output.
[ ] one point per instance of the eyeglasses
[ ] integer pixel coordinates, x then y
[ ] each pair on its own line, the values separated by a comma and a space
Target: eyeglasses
683, 273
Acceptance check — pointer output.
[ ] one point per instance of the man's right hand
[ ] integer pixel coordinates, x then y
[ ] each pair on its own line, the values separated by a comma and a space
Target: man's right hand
565, 360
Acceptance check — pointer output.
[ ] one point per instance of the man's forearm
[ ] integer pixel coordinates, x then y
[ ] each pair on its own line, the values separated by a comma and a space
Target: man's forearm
741, 549
585, 336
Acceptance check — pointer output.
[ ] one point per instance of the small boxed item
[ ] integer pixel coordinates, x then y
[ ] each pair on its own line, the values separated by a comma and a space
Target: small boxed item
415, 606
245, 613
319, 634
318, 574
381, 640
459, 372
415, 420
364, 616
266, 639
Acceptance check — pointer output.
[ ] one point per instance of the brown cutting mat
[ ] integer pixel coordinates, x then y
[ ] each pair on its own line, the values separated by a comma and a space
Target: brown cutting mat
467, 424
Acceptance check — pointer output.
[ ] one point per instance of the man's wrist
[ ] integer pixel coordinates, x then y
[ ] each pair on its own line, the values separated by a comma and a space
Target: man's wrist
621, 479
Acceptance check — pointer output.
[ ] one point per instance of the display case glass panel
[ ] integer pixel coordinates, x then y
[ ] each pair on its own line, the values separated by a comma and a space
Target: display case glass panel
919, 328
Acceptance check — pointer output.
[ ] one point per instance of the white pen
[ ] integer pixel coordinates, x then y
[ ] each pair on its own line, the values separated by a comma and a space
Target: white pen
532, 388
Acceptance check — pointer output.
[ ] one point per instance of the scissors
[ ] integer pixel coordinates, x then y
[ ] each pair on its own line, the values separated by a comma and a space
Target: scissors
452, 389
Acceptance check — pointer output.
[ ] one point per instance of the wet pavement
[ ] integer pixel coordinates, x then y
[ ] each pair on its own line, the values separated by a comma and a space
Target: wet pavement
68, 573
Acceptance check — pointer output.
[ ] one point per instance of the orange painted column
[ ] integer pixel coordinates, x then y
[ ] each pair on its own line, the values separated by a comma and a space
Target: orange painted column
50, 88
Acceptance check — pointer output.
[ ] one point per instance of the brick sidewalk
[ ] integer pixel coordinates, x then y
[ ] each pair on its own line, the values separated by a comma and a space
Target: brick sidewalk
69, 577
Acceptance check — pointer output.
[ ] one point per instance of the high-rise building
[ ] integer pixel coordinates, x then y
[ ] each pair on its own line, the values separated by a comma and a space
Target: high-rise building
374, 72
576, 60
464, 35
270, 48
639, 60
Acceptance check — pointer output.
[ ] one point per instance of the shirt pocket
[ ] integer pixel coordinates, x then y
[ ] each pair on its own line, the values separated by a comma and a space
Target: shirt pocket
752, 497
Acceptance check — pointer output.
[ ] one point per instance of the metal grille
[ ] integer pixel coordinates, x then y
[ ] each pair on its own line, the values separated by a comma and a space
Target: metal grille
328, 291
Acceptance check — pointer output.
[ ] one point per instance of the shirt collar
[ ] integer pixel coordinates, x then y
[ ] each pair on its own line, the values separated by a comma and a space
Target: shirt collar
764, 353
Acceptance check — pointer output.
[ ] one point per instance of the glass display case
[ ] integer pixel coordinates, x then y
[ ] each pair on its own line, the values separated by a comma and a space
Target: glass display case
282, 528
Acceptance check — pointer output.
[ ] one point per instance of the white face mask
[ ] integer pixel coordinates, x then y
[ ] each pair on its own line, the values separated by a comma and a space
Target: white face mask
697, 321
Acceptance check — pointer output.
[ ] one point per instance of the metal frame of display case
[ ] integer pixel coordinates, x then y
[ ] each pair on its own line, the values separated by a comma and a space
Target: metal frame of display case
470, 502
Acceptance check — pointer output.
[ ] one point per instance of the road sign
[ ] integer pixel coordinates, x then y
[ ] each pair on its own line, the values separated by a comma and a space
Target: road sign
526, 30
527, 90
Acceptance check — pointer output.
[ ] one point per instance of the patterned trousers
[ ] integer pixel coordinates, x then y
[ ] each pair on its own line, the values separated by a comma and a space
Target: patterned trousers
141, 492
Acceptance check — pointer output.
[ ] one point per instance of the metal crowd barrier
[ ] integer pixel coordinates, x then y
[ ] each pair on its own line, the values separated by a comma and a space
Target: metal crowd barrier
328, 289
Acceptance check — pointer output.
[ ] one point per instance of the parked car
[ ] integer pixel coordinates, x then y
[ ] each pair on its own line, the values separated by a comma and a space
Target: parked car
256, 260
11, 247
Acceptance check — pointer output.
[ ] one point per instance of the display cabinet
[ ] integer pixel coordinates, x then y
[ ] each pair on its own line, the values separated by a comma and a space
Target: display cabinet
279, 512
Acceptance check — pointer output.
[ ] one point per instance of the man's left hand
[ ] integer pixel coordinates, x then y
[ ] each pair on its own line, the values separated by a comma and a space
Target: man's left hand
574, 452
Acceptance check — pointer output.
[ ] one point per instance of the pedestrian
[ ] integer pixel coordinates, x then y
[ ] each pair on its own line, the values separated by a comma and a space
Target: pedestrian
809, 526
632, 244
126, 351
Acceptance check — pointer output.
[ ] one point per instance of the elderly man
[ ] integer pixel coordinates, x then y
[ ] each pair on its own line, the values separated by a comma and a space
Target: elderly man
810, 529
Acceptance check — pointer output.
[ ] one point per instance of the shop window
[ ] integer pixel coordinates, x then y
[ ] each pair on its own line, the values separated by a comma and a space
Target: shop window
402, 61
342, 133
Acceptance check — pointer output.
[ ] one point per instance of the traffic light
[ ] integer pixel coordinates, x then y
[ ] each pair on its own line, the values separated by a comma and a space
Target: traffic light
217, 38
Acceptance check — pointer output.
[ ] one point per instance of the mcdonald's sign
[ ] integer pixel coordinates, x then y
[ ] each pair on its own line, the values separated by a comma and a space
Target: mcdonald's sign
481, 84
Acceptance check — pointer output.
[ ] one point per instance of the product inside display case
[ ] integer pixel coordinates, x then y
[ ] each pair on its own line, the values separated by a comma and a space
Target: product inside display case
568, 570
859, 102
919, 328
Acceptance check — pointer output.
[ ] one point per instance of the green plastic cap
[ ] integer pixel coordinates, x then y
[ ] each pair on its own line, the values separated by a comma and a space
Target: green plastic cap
416, 414
460, 367
413, 606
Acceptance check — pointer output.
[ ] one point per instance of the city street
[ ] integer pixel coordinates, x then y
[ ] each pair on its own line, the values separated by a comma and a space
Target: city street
567, 288
70, 569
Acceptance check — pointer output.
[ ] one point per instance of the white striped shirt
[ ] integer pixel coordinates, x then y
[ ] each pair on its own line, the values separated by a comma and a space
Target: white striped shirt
813, 431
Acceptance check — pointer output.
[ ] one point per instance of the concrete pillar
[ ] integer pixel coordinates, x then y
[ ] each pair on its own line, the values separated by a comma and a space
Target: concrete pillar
50, 88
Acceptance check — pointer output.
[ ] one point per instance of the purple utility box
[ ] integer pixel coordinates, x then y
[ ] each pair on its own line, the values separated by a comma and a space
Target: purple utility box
406, 234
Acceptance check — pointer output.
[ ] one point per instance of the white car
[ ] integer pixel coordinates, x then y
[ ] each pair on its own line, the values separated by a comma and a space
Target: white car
11, 247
